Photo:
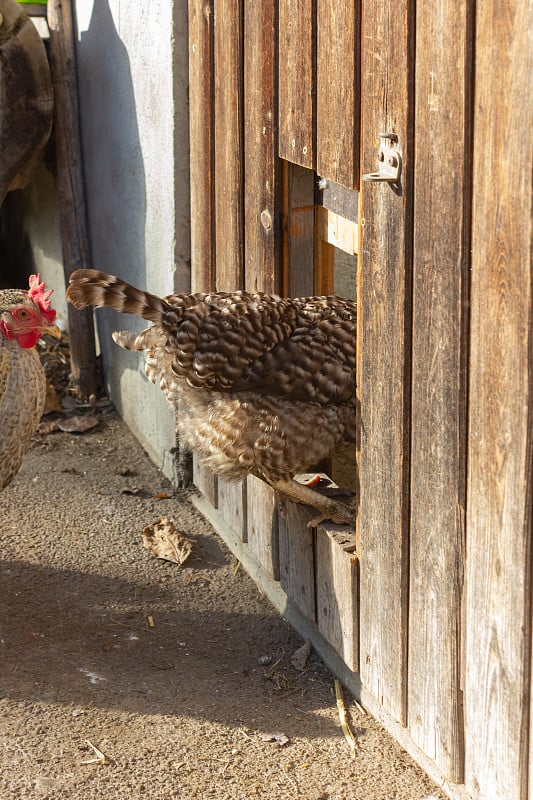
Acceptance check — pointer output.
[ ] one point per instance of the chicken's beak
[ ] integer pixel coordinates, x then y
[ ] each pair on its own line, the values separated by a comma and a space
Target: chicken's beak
53, 330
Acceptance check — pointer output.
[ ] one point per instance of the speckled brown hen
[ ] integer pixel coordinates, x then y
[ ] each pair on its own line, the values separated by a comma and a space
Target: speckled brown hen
266, 384
24, 316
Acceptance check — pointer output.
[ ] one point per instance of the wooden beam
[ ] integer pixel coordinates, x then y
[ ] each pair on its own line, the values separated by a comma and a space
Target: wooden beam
383, 362
297, 81
500, 436
71, 188
262, 166
338, 91
228, 144
441, 266
202, 135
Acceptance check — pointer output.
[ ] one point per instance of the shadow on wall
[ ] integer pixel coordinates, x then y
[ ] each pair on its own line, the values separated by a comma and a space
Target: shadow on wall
114, 168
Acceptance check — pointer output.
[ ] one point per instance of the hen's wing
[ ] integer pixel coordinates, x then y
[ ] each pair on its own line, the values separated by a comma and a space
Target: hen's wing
297, 348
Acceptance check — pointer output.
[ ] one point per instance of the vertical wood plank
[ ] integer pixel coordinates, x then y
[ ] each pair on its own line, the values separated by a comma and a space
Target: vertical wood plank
205, 482
338, 90
298, 232
337, 591
202, 161
498, 565
438, 441
71, 188
231, 503
228, 144
297, 81
262, 525
383, 357
261, 169
296, 556
262, 271
201, 126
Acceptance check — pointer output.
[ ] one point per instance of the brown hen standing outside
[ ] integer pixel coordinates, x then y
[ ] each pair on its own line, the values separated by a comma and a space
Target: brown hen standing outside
24, 317
266, 384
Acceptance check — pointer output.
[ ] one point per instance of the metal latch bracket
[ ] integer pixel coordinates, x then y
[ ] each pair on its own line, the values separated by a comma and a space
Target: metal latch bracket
389, 159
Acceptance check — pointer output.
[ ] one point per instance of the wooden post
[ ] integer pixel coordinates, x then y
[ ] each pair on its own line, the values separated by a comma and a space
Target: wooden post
72, 211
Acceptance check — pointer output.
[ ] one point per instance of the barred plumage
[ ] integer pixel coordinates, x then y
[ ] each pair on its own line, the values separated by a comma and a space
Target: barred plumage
267, 384
24, 315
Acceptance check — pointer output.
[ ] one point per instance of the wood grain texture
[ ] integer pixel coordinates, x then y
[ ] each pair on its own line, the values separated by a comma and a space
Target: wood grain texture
296, 556
498, 565
232, 503
71, 188
337, 591
228, 145
205, 482
262, 525
297, 82
202, 135
438, 442
298, 232
383, 357
338, 90
261, 169
202, 162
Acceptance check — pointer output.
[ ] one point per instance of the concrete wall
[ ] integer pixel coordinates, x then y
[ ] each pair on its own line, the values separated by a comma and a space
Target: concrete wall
132, 71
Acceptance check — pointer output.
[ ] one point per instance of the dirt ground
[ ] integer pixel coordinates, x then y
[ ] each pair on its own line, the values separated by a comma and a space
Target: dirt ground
180, 676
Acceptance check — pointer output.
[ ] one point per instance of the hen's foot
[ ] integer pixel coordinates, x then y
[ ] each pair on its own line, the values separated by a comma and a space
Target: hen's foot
328, 507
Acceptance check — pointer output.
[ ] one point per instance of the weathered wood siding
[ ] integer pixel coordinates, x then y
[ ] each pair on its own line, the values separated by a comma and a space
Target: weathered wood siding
426, 609
441, 261
498, 566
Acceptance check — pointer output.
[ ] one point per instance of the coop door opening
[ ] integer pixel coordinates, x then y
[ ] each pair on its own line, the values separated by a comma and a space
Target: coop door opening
320, 244
336, 273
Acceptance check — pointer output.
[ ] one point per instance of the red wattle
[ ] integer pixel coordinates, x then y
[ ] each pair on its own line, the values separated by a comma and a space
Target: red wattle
28, 339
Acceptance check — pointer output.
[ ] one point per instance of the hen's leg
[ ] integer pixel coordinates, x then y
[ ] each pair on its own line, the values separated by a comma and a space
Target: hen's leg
328, 507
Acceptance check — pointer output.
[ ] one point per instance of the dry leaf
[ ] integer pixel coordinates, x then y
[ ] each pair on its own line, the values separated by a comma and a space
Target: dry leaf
47, 427
77, 424
300, 657
279, 738
166, 542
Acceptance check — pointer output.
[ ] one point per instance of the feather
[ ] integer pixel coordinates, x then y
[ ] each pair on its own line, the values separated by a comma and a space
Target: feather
266, 384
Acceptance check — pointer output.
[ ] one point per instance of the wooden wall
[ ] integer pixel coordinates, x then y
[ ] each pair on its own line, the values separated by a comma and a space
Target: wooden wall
427, 609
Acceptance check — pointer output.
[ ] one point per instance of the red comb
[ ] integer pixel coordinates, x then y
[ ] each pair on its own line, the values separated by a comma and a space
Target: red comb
42, 298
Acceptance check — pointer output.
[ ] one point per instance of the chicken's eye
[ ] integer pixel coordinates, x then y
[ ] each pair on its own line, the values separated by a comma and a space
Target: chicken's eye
21, 313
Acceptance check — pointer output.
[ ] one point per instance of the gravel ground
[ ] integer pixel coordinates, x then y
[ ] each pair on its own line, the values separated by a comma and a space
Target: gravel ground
180, 677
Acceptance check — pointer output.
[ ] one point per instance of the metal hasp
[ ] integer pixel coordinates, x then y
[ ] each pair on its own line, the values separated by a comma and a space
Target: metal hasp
390, 161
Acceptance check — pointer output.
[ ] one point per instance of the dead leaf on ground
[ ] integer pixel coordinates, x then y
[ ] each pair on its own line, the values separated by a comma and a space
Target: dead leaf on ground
279, 738
166, 542
77, 424
131, 490
300, 657
47, 427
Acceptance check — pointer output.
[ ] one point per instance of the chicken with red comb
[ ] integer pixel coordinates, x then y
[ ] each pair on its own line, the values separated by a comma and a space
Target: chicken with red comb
24, 316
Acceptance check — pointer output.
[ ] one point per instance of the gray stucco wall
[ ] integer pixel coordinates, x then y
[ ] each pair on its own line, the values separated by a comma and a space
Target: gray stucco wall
132, 72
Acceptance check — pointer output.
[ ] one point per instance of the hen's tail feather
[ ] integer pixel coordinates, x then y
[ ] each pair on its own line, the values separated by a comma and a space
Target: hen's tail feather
90, 287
